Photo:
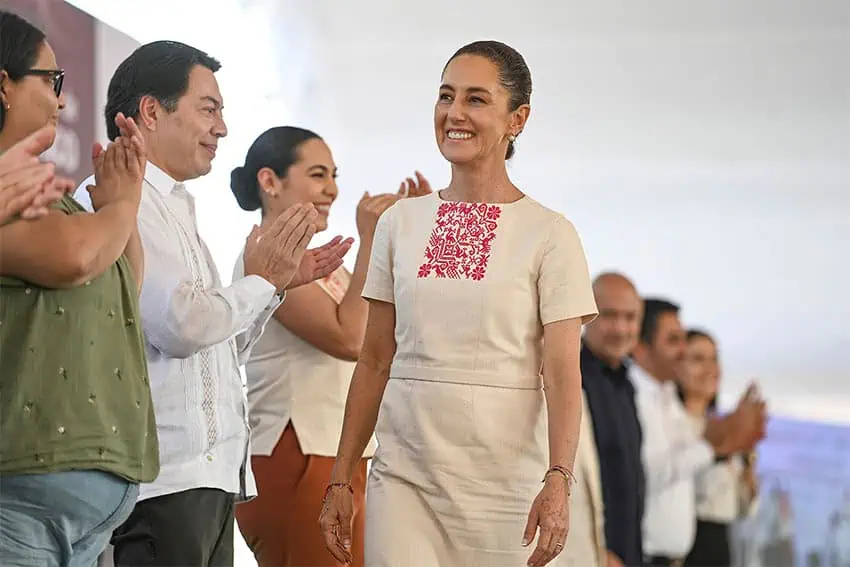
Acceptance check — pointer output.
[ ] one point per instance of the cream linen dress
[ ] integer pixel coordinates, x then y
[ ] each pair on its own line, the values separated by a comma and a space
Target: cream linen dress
462, 443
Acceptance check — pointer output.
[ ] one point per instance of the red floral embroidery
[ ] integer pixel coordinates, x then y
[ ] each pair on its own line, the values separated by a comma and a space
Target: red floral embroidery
460, 243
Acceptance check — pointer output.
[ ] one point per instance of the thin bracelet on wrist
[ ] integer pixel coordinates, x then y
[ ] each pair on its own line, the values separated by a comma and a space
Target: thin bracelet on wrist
567, 474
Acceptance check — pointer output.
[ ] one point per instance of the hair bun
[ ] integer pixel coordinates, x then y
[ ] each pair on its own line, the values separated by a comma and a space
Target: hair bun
236, 175
247, 196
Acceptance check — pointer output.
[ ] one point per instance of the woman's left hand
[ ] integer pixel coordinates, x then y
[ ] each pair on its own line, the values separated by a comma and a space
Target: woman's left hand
550, 511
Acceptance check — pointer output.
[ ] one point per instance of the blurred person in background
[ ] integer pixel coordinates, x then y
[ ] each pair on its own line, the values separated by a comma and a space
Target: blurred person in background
774, 531
76, 412
838, 537
608, 341
724, 491
674, 454
300, 369
585, 545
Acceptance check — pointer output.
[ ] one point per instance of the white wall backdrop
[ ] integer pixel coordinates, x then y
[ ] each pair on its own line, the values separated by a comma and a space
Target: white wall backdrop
702, 148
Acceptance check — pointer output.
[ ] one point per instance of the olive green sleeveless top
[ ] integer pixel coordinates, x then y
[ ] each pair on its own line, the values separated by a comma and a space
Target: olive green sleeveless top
74, 391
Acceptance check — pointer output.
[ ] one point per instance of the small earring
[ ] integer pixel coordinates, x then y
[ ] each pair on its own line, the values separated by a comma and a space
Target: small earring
512, 138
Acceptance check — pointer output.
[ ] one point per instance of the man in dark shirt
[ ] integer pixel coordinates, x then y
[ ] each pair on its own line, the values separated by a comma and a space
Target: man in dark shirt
608, 340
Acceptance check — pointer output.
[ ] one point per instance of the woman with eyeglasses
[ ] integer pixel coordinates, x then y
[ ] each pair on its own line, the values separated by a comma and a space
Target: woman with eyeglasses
77, 422
31, 79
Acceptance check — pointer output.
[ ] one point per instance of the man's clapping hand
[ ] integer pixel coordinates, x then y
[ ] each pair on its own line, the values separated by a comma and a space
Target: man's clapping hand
741, 430
279, 253
321, 261
120, 168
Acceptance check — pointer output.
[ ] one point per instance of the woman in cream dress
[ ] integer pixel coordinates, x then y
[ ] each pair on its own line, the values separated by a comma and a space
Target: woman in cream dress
299, 371
472, 290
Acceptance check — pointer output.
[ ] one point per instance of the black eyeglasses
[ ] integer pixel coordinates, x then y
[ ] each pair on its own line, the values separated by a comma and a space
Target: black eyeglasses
57, 77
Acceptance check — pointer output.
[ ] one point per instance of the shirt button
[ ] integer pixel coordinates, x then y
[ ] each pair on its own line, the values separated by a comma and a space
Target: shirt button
114, 429
61, 430
209, 457
28, 291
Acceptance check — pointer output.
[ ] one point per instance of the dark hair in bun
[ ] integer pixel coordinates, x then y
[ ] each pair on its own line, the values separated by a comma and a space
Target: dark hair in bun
277, 149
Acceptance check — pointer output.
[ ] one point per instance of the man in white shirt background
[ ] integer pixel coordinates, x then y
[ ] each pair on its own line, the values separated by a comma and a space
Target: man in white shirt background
197, 331
672, 453
838, 538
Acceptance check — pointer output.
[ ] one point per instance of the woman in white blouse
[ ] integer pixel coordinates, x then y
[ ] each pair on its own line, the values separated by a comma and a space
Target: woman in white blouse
299, 371
725, 490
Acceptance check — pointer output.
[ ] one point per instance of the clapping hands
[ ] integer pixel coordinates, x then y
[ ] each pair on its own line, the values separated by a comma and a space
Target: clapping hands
741, 430
278, 253
119, 169
27, 186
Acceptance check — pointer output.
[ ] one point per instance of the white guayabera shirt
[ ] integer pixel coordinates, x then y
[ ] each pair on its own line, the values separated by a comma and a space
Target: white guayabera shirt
197, 333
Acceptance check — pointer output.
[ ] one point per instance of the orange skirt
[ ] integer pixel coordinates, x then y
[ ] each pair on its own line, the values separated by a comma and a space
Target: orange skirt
281, 525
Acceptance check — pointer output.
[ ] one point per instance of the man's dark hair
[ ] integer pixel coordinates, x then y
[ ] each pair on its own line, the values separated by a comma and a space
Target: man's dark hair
160, 69
20, 42
653, 309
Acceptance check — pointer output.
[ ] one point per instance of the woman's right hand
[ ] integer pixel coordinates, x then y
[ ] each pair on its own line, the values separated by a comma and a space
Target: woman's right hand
335, 521
28, 186
369, 210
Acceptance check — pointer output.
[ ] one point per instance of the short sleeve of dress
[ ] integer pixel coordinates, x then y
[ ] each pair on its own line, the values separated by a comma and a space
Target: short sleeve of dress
563, 283
379, 278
